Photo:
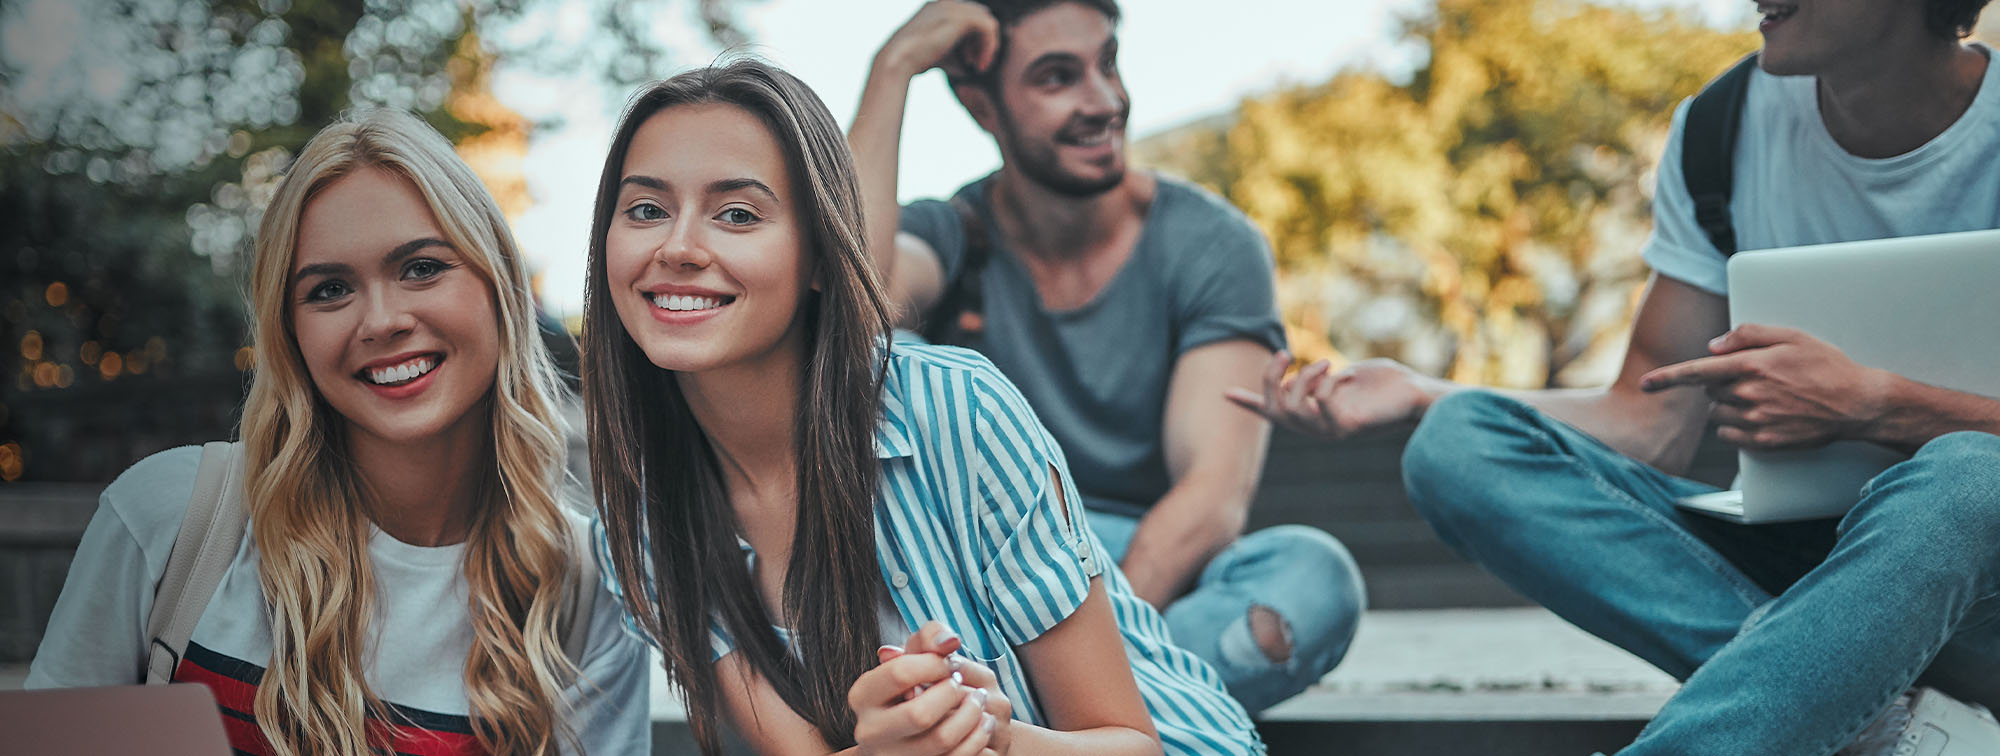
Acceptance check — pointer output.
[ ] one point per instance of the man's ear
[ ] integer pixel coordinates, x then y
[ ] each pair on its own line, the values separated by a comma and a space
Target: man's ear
979, 102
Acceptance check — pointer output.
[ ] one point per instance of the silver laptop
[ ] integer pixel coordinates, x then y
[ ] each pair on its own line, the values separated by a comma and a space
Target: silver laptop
1923, 307
157, 720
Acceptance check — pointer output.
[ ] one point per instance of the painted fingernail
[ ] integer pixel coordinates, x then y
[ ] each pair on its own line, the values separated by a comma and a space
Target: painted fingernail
957, 679
986, 722
954, 664
979, 697
944, 635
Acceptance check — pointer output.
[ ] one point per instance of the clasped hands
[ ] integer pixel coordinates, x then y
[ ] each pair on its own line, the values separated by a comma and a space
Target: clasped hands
1772, 388
924, 699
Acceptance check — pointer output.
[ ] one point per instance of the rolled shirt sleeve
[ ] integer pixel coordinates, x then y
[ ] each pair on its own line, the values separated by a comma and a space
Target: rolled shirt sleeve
1037, 561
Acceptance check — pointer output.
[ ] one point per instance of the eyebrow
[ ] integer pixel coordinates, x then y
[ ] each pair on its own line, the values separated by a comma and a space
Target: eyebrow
720, 186
726, 186
1061, 56
400, 253
1052, 58
646, 181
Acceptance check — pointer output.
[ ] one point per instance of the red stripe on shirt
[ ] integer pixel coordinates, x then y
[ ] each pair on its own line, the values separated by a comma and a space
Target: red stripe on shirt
240, 697
417, 741
245, 737
235, 695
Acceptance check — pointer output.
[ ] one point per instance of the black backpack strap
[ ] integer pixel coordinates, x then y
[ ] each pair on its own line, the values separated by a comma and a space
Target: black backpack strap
961, 311
1708, 151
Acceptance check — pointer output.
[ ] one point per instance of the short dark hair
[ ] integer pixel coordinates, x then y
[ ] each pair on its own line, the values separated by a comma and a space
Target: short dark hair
1010, 12
1952, 19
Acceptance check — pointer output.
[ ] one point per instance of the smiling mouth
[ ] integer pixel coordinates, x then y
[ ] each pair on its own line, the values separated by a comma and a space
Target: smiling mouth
1774, 13
685, 303
1091, 134
401, 373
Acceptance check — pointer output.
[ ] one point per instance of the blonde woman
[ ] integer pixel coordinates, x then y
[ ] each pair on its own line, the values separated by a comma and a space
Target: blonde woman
401, 582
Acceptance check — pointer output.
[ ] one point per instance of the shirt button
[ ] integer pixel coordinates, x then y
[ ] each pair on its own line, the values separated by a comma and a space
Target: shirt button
900, 580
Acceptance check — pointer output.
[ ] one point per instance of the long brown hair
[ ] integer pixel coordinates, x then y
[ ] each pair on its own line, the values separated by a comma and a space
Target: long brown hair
308, 505
659, 485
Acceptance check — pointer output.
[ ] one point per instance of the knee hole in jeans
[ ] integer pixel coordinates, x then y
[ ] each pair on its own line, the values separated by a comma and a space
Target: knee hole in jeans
1272, 632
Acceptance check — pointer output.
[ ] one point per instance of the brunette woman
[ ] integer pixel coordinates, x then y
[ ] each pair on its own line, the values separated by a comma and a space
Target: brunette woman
791, 497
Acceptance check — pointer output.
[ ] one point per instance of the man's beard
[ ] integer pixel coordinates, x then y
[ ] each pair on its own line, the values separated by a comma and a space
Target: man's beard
1038, 161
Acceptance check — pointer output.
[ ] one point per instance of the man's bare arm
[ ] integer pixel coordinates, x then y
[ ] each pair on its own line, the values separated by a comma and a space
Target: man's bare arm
1919, 412
950, 33
1675, 323
1214, 457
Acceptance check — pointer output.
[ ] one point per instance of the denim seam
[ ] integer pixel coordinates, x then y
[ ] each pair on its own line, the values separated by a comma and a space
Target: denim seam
1847, 735
1747, 592
1991, 616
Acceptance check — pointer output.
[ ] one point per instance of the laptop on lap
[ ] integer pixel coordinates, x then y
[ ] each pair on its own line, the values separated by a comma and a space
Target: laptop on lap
1923, 307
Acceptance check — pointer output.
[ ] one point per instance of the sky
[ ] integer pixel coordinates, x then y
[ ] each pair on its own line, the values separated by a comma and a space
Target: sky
1181, 60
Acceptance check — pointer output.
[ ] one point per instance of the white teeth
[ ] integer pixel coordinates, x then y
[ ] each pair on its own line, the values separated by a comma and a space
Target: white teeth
407, 371
680, 303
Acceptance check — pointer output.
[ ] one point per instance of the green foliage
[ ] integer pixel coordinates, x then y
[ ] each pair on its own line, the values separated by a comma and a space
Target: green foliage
1481, 220
139, 141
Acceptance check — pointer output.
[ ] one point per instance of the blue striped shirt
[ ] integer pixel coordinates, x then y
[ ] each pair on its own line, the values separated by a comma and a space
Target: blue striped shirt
969, 532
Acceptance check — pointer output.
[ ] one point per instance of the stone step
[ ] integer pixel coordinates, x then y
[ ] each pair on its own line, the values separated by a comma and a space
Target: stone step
1498, 682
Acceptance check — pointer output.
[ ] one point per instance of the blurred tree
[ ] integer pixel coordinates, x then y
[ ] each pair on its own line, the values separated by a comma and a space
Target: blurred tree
1482, 220
140, 140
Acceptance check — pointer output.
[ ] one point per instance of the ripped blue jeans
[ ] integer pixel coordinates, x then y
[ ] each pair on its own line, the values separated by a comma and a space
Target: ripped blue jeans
1302, 574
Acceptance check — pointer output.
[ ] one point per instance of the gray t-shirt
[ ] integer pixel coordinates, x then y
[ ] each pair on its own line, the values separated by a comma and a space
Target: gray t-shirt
1097, 374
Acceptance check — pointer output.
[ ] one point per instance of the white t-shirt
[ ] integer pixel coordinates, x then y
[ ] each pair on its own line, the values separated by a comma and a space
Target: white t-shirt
419, 639
1794, 185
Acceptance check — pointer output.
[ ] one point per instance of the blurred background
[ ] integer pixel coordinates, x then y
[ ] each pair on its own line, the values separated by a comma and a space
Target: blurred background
1461, 184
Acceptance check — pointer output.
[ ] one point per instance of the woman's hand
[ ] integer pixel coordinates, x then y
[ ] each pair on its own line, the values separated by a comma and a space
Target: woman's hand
924, 701
999, 710
935, 638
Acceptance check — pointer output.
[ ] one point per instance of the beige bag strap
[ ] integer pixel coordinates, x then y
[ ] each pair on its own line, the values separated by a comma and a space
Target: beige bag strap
572, 626
209, 538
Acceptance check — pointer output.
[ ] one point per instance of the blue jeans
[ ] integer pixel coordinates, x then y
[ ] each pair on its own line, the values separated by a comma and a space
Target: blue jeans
1267, 568
1789, 638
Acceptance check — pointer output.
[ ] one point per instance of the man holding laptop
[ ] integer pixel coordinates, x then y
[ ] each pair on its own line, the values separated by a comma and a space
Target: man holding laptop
1870, 119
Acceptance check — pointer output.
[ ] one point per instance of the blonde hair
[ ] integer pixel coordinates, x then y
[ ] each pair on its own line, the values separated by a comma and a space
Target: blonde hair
308, 507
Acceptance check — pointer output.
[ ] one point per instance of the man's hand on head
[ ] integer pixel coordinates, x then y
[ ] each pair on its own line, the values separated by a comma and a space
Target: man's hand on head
1781, 388
959, 36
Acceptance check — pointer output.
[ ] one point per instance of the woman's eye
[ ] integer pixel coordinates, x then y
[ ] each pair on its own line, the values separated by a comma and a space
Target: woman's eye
645, 211
737, 216
424, 269
326, 292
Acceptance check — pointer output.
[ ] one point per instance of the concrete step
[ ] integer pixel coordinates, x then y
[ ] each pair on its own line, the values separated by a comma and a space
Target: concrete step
1498, 682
